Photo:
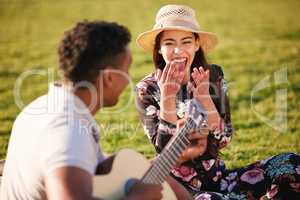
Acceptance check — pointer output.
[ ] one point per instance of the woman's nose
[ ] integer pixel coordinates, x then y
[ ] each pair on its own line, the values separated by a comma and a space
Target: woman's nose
177, 50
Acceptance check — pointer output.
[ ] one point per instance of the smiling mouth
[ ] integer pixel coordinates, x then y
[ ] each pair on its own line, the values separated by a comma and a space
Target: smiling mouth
180, 63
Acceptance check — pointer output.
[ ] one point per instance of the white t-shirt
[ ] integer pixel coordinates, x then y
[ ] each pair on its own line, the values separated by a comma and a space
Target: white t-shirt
55, 130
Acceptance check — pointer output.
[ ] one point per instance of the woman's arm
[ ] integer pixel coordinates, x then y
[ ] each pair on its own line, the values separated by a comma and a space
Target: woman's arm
158, 115
210, 90
158, 130
200, 91
168, 108
213, 116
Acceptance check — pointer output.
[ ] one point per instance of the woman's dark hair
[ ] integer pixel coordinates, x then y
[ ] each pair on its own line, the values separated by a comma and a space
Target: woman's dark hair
212, 150
91, 46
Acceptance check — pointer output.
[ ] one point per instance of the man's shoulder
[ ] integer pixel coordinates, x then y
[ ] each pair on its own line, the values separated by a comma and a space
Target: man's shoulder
32, 113
46, 114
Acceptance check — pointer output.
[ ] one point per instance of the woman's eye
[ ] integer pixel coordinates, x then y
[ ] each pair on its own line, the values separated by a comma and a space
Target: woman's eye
187, 42
168, 43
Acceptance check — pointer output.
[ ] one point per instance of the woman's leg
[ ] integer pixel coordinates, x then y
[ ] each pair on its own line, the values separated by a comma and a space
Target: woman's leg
277, 177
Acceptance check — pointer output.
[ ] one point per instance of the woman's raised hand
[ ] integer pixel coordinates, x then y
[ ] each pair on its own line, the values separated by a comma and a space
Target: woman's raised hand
169, 80
200, 84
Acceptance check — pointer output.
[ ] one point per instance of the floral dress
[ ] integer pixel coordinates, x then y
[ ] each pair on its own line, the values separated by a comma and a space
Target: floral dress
206, 177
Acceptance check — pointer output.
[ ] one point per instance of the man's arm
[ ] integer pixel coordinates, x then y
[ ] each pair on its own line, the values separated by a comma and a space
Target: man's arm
68, 183
72, 183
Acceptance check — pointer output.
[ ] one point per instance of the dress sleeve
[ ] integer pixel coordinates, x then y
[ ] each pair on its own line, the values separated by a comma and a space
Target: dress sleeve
158, 130
225, 130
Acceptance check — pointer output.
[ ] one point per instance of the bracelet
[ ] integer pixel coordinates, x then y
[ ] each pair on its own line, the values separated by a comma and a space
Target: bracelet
128, 185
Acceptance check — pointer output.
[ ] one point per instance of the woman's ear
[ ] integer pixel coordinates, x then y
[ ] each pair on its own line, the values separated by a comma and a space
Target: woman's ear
197, 46
159, 51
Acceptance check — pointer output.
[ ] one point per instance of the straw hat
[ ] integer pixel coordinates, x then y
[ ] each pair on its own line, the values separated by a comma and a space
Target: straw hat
176, 17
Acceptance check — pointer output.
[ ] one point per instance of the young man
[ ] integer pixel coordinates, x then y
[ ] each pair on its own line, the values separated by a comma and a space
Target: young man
53, 151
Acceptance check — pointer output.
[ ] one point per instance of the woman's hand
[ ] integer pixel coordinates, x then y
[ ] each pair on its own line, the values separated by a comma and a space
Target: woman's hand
200, 90
197, 147
200, 85
169, 80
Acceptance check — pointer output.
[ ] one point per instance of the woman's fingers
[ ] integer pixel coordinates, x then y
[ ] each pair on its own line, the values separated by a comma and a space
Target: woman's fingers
196, 148
197, 135
201, 71
193, 152
200, 75
201, 81
172, 71
171, 74
180, 76
158, 74
207, 74
175, 75
165, 72
180, 123
204, 73
197, 76
190, 87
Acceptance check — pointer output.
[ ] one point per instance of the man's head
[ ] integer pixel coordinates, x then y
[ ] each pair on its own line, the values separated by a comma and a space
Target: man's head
97, 52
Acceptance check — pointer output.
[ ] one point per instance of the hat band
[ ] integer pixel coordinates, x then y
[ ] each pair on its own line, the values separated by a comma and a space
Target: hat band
178, 23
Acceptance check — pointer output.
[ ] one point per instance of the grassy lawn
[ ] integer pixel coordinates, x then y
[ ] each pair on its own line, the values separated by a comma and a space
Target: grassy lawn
259, 45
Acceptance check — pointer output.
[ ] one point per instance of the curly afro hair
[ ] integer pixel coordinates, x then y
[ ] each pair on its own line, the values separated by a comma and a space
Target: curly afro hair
91, 46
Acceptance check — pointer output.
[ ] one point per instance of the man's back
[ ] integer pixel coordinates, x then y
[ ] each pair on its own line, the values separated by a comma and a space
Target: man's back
46, 135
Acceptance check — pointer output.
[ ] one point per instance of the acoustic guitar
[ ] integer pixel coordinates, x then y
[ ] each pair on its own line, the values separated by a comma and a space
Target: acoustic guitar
128, 164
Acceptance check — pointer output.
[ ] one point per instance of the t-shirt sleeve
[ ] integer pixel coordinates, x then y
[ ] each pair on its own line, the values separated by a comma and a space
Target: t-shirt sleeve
68, 143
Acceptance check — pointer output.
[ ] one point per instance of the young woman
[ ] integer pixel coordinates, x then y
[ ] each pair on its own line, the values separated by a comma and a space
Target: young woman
182, 73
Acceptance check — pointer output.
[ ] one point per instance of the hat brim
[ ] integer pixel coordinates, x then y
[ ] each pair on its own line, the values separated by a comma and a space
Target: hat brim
146, 40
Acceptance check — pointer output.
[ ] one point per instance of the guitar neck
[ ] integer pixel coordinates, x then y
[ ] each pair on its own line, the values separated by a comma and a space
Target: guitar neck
167, 159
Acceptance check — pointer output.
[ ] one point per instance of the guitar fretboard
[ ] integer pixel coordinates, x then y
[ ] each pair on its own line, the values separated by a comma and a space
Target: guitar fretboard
167, 159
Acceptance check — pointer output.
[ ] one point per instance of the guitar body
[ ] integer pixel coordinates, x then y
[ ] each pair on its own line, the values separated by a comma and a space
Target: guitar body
127, 164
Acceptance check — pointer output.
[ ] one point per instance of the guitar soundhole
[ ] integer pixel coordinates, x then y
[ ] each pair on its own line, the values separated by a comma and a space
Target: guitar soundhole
105, 167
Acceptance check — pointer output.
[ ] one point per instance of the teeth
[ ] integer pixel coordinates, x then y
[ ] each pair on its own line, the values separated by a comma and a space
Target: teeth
179, 60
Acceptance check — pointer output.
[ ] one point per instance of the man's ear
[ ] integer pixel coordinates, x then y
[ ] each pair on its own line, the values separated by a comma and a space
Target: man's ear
107, 78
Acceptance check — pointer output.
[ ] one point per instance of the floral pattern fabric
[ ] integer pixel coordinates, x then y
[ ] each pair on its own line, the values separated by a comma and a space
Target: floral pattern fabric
206, 177
274, 178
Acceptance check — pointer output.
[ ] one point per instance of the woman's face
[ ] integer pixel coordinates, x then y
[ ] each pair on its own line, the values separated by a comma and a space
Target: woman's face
179, 46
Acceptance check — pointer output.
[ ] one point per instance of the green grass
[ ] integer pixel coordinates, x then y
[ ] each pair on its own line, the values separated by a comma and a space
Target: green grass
256, 40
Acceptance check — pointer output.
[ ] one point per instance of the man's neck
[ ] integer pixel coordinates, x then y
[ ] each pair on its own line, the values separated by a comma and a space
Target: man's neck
91, 102
87, 99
